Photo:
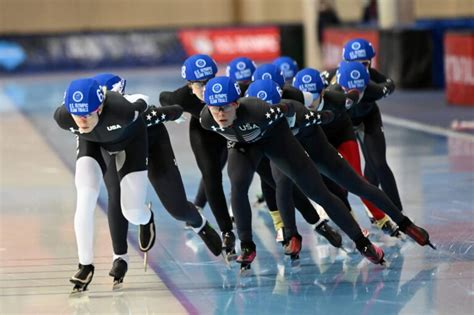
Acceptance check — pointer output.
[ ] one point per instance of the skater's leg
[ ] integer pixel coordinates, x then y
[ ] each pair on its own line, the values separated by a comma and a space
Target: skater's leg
118, 224
166, 180
306, 176
374, 141
88, 174
241, 168
208, 148
200, 200
132, 170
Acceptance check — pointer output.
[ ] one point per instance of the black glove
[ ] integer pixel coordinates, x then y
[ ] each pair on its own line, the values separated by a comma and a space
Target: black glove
389, 87
352, 97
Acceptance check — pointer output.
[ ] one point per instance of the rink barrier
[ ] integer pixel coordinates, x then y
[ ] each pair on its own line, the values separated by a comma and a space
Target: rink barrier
84, 51
89, 51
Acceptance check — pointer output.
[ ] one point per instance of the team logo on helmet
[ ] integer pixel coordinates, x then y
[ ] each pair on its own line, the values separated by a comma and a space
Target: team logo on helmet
267, 76
262, 95
216, 88
240, 65
355, 74
183, 72
285, 66
77, 96
306, 78
200, 63
355, 45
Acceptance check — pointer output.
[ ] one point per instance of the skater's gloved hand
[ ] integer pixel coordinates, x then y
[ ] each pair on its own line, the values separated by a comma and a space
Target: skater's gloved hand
389, 87
181, 119
352, 97
132, 98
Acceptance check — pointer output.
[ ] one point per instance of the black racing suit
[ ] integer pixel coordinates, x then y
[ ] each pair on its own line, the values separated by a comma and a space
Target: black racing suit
261, 130
210, 151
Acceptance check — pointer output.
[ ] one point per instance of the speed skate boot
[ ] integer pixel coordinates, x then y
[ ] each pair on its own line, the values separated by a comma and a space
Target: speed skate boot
387, 226
325, 230
292, 247
247, 255
278, 226
188, 225
118, 271
147, 235
371, 251
209, 236
280, 236
417, 233
82, 278
228, 245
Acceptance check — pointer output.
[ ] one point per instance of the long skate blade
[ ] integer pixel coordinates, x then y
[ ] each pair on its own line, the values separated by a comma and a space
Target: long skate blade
400, 236
245, 270
77, 291
295, 264
345, 250
431, 245
226, 260
117, 285
231, 257
145, 261
384, 263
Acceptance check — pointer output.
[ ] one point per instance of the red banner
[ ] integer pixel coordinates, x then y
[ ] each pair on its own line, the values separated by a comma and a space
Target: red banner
459, 68
225, 44
334, 39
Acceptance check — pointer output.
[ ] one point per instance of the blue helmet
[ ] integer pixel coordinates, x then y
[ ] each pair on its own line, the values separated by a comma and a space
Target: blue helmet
241, 69
198, 68
266, 90
269, 71
352, 75
111, 81
308, 80
287, 65
358, 49
221, 91
83, 96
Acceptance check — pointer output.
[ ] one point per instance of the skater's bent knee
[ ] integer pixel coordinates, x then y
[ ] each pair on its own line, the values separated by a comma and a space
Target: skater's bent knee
136, 216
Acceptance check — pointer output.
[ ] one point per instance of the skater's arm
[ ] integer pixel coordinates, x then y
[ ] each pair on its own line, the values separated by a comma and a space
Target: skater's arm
376, 91
63, 118
156, 115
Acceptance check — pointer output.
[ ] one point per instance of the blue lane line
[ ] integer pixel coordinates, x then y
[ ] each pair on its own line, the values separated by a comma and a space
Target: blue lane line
177, 293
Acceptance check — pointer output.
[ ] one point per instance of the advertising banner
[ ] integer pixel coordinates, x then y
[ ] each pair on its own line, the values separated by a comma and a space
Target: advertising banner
89, 51
225, 44
459, 67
